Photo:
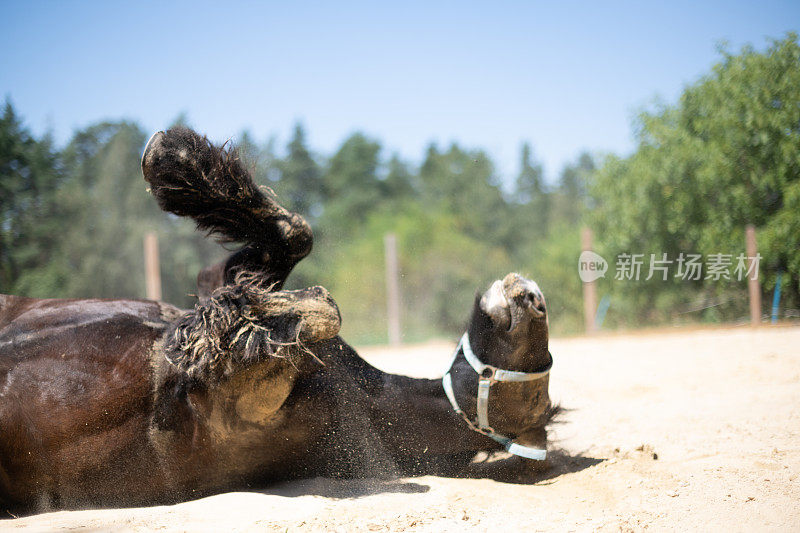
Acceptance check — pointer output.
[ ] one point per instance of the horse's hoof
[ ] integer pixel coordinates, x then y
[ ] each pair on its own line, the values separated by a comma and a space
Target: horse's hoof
154, 141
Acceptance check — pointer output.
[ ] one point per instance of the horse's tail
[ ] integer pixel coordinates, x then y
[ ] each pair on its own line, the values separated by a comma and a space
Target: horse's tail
189, 176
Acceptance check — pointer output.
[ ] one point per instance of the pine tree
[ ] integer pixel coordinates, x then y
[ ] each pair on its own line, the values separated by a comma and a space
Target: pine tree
300, 185
530, 193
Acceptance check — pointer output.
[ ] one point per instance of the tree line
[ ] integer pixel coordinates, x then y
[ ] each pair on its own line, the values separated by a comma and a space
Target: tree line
726, 154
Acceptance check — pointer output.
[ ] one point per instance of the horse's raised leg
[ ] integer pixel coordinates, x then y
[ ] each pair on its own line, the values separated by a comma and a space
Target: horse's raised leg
191, 177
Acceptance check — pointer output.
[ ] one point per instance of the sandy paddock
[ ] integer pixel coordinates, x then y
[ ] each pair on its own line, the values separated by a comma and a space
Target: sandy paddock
686, 430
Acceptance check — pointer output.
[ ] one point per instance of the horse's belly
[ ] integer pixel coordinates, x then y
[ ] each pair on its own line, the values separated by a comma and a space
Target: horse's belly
75, 401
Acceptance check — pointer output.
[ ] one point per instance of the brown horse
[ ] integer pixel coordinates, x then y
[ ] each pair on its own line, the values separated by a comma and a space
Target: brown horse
125, 402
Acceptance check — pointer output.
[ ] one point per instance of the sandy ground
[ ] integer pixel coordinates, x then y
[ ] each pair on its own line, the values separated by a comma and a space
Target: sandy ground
693, 430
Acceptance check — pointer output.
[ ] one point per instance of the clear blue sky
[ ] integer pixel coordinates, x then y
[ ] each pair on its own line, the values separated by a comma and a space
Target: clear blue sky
565, 76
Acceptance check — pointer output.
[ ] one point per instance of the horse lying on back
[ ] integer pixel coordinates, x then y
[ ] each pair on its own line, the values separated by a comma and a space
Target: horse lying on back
127, 402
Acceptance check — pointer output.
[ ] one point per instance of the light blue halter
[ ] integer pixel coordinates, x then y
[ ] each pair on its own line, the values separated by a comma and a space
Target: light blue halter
488, 375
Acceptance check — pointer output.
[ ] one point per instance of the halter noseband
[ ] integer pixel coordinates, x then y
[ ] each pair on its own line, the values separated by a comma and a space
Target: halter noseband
488, 375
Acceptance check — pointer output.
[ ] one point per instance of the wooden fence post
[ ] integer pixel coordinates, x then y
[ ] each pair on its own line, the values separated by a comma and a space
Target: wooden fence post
152, 271
392, 289
753, 285
589, 287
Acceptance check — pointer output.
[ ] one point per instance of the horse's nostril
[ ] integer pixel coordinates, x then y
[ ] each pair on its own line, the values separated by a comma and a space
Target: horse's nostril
525, 298
535, 301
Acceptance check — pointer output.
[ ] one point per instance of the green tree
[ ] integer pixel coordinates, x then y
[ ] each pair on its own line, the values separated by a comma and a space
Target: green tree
300, 185
568, 200
529, 191
724, 156
399, 185
30, 218
463, 184
351, 185
439, 273
88, 242
109, 211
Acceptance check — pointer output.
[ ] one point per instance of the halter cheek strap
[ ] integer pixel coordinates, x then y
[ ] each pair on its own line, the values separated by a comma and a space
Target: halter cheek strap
488, 375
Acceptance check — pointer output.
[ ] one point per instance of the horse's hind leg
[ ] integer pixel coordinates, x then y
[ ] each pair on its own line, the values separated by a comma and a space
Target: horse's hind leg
191, 177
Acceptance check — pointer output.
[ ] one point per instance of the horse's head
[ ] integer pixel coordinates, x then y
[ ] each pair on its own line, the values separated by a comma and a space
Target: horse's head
508, 327
508, 332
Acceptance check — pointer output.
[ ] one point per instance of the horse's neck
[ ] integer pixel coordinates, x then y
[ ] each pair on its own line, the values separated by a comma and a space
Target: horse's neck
414, 417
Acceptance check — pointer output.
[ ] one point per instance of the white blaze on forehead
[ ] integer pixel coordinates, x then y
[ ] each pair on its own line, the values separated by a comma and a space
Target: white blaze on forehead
495, 298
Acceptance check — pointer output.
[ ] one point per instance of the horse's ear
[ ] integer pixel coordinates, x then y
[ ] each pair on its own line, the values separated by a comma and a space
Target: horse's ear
477, 309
